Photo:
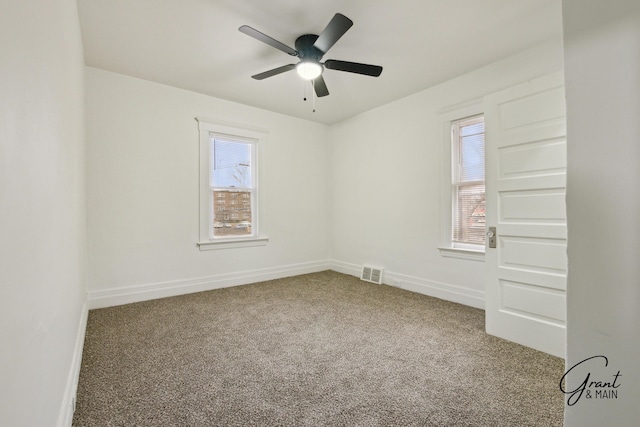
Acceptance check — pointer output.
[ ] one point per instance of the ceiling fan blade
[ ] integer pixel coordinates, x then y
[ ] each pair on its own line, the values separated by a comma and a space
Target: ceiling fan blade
266, 39
353, 67
274, 72
320, 87
336, 28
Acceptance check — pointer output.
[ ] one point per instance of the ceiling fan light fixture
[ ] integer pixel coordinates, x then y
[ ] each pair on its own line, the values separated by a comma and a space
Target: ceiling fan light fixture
309, 70
310, 49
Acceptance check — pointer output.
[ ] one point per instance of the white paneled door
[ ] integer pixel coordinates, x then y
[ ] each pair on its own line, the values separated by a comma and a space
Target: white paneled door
525, 196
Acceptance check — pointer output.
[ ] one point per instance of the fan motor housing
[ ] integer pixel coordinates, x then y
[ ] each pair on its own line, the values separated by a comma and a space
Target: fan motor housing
305, 48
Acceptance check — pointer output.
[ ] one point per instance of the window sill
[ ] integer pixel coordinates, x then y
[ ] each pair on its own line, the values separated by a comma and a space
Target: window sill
468, 254
232, 243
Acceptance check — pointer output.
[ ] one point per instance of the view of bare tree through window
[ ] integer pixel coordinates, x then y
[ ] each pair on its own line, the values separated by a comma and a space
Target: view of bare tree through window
470, 214
231, 188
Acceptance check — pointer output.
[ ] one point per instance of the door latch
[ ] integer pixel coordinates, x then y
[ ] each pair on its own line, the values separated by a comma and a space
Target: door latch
491, 234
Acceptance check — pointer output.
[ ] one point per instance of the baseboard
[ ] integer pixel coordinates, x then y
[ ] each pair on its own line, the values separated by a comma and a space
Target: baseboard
65, 418
130, 294
445, 291
137, 293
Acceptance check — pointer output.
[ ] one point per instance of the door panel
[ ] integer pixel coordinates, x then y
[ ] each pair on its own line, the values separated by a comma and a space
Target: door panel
538, 206
533, 254
532, 159
525, 196
544, 280
527, 300
524, 110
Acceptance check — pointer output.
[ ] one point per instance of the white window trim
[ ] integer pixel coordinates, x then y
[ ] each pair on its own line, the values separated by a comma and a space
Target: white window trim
448, 248
460, 253
233, 242
207, 128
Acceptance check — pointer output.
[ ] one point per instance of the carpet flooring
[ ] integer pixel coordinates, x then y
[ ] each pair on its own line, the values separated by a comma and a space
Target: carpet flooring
322, 349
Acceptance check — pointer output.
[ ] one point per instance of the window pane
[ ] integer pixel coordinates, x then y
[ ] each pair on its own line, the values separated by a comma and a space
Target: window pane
231, 213
469, 215
473, 126
231, 188
472, 157
230, 164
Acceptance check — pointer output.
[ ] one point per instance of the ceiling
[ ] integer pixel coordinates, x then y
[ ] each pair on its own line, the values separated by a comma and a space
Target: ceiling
195, 45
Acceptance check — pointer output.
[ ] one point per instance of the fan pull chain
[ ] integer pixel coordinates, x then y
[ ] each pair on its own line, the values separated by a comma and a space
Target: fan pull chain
314, 96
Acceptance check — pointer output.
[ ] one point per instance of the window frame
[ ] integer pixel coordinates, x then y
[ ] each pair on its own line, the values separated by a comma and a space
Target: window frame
449, 248
231, 199
232, 133
457, 183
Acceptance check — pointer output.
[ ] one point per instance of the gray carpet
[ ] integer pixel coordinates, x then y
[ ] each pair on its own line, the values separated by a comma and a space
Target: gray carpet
322, 349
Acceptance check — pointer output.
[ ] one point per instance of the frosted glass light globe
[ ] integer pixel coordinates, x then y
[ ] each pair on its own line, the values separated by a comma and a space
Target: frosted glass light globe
308, 70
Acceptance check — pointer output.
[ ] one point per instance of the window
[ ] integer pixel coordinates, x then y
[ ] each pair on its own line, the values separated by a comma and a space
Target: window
231, 176
468, 197
228, 187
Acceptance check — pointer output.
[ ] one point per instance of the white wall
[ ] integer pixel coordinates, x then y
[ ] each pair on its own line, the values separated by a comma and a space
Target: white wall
387, 177
602, 77
42, 211
143, 192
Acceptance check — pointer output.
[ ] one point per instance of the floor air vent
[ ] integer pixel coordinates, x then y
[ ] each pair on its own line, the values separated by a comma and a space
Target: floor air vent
371, 274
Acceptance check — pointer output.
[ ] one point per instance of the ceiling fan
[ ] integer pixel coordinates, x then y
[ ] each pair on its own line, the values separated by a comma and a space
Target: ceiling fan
310, 48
